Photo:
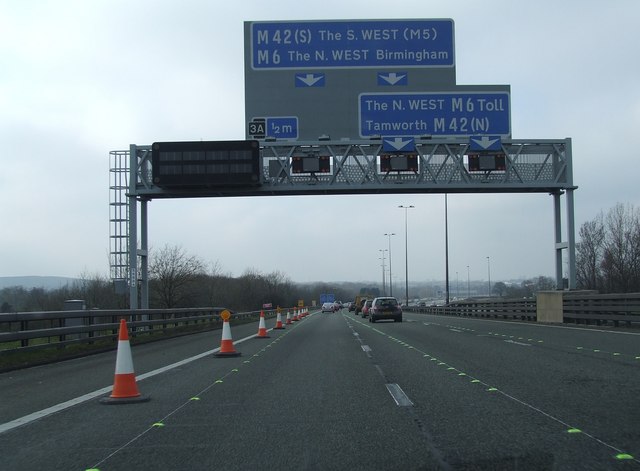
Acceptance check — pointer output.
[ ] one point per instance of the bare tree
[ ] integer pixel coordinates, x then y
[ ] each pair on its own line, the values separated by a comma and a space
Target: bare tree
213, 285
589, 254
608, 254
173, 273
620, 256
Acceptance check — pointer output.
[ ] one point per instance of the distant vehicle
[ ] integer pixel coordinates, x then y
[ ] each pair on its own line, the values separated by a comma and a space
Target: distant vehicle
328, 307
359, 302
386, 307
357, 305
349, 306
365, 307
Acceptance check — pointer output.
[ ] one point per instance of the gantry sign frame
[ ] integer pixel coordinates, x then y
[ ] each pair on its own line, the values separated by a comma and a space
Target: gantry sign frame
531, 166
342, 107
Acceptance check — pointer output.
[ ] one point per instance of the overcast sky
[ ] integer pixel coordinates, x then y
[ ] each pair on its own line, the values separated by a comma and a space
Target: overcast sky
81, 78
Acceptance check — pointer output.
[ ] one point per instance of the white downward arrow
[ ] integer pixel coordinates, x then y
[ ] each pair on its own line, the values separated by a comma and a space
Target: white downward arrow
398, 143
485, 142
310, 79
392, 78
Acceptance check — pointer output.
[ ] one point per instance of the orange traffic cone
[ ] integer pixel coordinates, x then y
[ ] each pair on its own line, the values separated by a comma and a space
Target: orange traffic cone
125, 389
288, 318
262, 328
295, 315
226, 344
279, 325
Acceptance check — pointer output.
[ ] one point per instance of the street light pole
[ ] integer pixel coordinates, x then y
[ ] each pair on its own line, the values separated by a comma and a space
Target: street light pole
468, 283
390, 280
384, 288
406, 251
446, 250
489, 273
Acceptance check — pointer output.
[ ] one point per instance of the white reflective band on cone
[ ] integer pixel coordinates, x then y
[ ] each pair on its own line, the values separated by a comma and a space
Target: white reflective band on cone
226, 331
124, 362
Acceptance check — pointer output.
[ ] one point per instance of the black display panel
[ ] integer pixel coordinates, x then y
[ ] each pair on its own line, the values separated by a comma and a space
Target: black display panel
398, 163
206, 164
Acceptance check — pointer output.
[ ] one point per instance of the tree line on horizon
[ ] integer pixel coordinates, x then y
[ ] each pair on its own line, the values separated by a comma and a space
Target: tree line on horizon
607, 260
608, 251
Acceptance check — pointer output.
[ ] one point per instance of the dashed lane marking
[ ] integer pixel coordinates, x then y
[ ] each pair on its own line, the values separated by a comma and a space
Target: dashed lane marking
620, 454
399, 395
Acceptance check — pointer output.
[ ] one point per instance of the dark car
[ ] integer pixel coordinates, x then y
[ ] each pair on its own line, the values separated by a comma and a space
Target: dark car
365, 307
385, 308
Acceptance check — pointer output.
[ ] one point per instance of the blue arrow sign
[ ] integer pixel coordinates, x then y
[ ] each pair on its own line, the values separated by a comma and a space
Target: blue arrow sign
485, 143
310, 80
438, 114
392, 79
399, 144
352, 43
282, 127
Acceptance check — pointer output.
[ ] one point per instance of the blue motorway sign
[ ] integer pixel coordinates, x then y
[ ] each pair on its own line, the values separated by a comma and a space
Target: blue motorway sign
436, 114
352, 44
327, 298
485, 143
398, 144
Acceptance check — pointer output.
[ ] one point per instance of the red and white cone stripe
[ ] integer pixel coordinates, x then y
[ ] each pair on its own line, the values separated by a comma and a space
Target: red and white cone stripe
262, 328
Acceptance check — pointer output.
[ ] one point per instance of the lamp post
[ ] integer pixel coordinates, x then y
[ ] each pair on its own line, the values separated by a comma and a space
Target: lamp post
390, 281
468, 283
384, 288
406, 251
489, 273
446, 250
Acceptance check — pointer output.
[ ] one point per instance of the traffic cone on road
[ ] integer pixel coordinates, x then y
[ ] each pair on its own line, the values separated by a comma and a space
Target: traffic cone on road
262, 328
288, 318
295, 315
279, 325
226, 344
125, 388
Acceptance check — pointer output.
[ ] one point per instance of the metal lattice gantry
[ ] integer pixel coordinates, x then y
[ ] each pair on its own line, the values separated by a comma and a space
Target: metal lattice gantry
119, 215
531, 166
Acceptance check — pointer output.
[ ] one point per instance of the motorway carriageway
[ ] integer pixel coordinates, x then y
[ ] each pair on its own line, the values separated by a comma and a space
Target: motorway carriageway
334, 391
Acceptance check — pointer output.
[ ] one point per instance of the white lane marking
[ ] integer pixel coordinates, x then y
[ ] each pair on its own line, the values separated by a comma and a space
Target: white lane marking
366, 348
535, 324
456, 330
398, 395
99, 392
518, 343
